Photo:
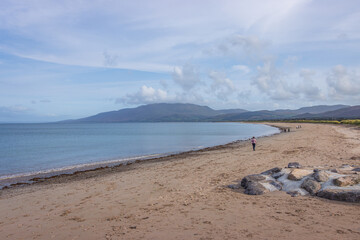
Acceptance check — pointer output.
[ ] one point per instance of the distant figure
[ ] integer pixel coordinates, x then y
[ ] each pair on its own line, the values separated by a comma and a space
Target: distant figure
253, 142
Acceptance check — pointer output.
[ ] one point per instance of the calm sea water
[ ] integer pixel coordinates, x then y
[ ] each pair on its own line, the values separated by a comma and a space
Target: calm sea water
30, 148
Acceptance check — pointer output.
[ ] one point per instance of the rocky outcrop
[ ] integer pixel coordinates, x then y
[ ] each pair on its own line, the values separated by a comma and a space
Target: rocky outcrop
311, 186
272, 171
251, 178
255, 188
276, 184
298, 174
321, 176
321, 182
278, 175
347, 195
347, 181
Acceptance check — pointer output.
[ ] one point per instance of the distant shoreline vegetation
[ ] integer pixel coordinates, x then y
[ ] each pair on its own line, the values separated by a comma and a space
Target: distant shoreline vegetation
345, 121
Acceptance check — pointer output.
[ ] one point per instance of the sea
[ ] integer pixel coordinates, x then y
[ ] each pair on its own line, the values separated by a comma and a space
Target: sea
44, 150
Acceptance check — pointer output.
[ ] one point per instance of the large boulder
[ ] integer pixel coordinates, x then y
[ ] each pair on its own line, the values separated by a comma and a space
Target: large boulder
321, 176
272, 171
311, 186
298, 174
294, 165
255, 188
347, 195
251, 178
346, 181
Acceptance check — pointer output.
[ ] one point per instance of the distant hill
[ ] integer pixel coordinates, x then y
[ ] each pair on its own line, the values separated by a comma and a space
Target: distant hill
160, 112
319, 109
179, 112
229, 111
277, 114
343, 113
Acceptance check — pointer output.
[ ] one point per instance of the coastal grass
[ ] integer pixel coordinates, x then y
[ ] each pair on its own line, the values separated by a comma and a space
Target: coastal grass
344, 121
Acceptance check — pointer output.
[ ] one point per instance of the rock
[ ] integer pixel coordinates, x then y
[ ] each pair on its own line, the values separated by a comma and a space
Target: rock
347, 195
333, 170
356, 169
277, 185
311, 186
346, 181
345, 166
298, 174
293, 193
316, 170
278, 175
255, 188
271, 171
346, 172
321, 176
234, 186
294, 165
252, 178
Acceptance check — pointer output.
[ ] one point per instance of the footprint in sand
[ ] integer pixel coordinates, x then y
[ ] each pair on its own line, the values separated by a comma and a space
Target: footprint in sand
77, 219
65, 213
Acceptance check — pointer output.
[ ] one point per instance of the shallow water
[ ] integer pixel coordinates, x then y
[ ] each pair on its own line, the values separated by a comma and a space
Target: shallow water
29, 148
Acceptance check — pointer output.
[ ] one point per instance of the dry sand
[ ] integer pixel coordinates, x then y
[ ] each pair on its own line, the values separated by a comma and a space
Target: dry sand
183, 196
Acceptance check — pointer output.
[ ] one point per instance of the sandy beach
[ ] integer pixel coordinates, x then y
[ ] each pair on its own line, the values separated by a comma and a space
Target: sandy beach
185, 196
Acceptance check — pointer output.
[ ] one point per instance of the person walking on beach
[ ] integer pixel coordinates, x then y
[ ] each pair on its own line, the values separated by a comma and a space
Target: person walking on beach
253, 142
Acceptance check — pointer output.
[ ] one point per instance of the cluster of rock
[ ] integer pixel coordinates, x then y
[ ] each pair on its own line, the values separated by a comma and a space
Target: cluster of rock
342, 184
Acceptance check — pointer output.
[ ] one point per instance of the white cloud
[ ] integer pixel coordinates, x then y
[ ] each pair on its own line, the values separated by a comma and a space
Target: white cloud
271, 81
221, 86
250, 44
186, 77
306, 85
343, 82
145, 95
242, 68
240, 46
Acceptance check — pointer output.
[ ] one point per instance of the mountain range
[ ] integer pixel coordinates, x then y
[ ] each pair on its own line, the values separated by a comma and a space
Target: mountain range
179, 112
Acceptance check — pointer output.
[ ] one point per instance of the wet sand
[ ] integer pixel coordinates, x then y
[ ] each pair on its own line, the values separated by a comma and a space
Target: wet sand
184, 196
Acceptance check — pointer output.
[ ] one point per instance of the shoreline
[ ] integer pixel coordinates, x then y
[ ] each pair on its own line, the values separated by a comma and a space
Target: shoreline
185, 196
29, 178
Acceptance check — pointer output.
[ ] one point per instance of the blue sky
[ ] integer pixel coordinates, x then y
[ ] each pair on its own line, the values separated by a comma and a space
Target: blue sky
70, 59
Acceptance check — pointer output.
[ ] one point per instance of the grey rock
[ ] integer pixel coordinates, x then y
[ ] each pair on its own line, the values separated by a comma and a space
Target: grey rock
321, 176
278, 175
333, 170
276, 184
347, 195
234, 186
294, 165
345, 166
251, 178
255, 188
356, 169
271, 171
316, 170
293, 193
311, 186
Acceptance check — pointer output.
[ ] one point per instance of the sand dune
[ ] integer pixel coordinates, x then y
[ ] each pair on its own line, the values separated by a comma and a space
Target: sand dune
183, 196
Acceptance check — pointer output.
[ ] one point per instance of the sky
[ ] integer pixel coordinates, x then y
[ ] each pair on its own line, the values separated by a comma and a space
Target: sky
71, 59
